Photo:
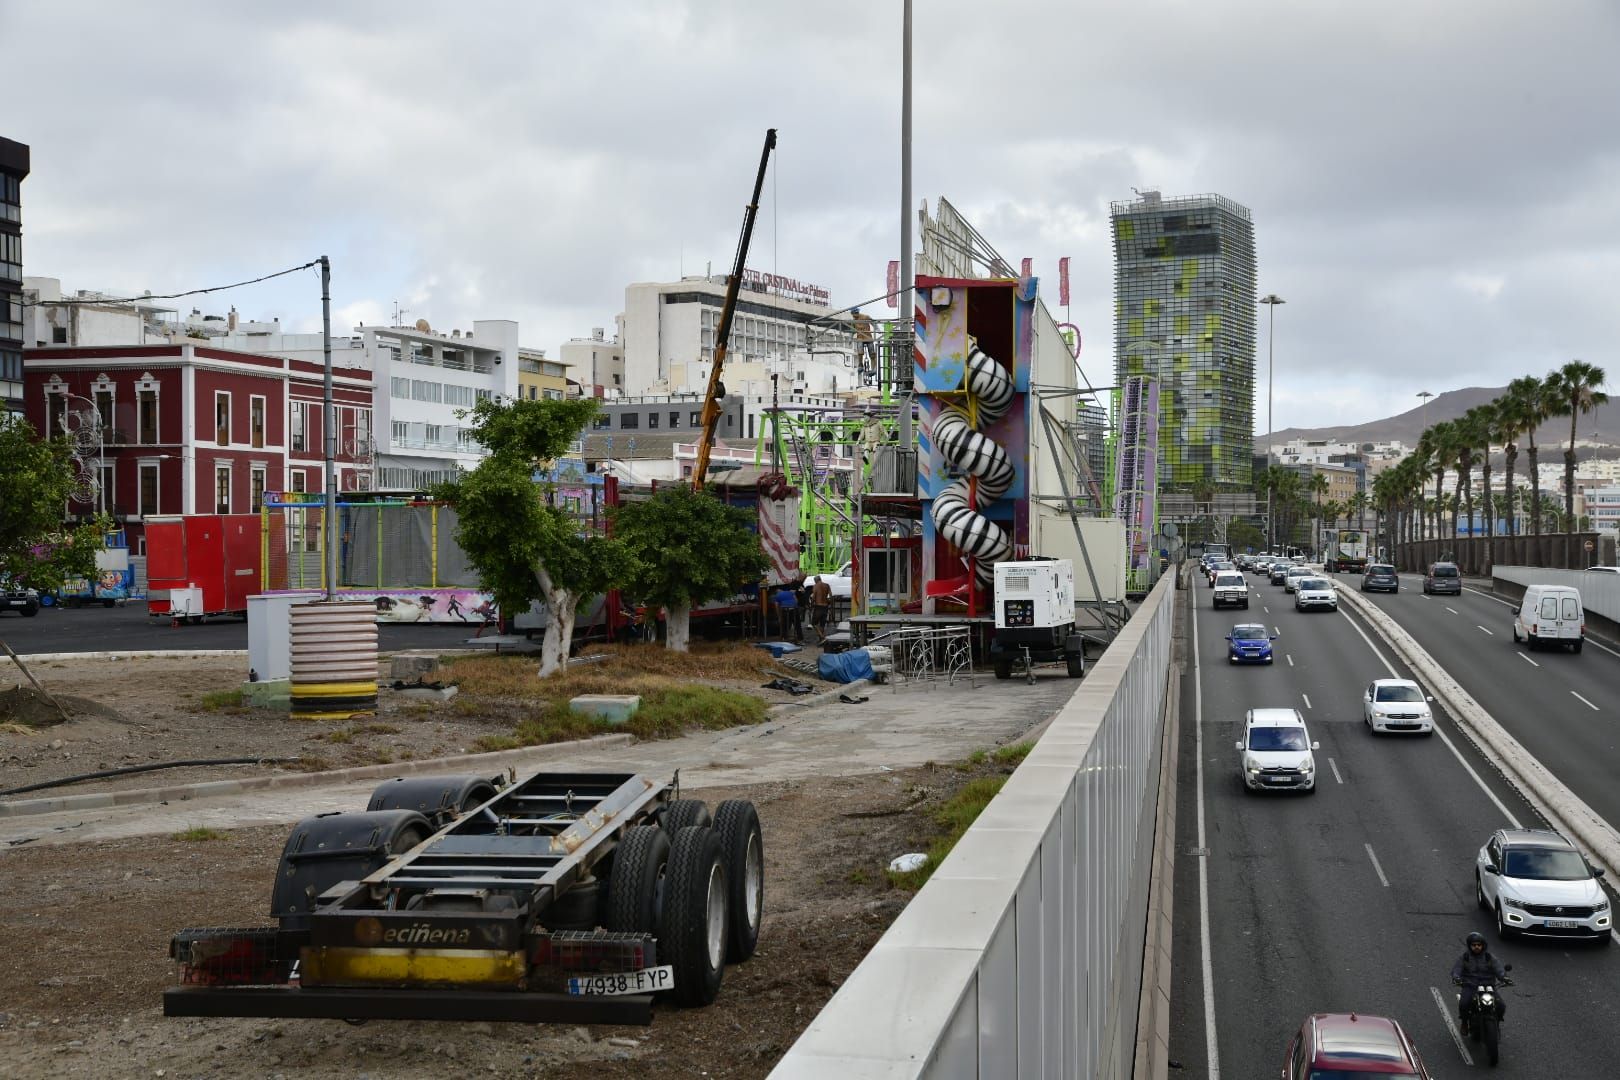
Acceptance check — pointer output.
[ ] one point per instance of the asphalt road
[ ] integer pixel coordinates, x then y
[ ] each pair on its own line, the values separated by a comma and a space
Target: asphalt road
1564, 708
129, 628
1357, 897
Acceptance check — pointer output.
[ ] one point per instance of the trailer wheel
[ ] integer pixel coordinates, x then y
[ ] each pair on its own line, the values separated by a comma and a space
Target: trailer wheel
742, 849
636, 885
692, 926
680, 813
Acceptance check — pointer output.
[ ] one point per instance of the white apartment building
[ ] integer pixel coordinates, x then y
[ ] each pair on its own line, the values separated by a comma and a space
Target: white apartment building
782, 329
1603, 507
598, 362
92, 318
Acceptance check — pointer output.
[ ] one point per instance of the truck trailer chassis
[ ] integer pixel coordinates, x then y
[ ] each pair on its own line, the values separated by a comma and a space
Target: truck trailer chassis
568, 897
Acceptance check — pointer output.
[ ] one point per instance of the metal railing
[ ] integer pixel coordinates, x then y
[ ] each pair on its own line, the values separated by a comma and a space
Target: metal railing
928, 654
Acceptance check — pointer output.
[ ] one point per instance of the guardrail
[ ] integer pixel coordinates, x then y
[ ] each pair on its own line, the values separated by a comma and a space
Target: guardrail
1022, 955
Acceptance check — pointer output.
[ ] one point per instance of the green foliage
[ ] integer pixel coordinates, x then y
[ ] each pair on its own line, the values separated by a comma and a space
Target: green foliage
1243, 535
953, 818
1013, 754
665, 713
36, 547
198, 834
688, 547
215, 700
510, 533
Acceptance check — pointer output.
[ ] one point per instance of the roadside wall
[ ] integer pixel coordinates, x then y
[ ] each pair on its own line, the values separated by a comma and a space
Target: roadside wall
1022, 956
1600, 593
1475, 555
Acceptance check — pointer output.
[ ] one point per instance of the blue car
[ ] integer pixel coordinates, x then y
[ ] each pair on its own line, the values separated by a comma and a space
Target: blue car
1248, 643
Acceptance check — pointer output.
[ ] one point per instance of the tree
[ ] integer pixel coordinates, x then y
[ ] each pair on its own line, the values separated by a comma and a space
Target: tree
37, 549
523, 548
1491, 431
1245, 536
1470, 432
1357, 505
1527, 396
1318, 486
1509, 427
688, 548
1574, 388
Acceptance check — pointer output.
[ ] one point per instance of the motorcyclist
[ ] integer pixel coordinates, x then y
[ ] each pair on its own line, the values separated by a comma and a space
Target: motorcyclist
1474, 968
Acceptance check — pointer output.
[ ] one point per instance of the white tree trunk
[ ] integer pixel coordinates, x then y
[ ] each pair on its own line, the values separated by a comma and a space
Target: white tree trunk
560, 607
678, 627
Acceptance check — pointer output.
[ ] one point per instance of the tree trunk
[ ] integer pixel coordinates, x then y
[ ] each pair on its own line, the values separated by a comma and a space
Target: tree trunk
678, 627
1535, 488
561, 607
1485, 475
1569, 469
1512, 457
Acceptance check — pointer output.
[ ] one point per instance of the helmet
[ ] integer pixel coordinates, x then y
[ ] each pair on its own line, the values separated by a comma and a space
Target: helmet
1475, 938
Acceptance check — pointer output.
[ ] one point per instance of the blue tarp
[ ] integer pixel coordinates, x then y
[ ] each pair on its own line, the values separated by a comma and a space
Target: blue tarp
778, 648
846, 667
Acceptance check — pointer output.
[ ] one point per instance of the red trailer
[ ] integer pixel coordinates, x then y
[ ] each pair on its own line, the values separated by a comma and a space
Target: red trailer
208, 563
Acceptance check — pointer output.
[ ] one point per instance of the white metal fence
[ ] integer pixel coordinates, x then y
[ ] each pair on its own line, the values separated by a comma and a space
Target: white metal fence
1022, 956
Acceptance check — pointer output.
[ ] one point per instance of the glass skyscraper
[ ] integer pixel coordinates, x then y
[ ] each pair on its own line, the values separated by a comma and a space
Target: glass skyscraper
1184, 314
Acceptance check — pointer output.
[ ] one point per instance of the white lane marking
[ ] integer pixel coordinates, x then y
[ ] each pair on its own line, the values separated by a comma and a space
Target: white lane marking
1307, 698
1451, 609
1527, 660
1588, 704
1277, 630
1335, 767
1451, 1026
1491, 632
1211, 1050
1376, 867
1443, 737
1265, 609
1290, 659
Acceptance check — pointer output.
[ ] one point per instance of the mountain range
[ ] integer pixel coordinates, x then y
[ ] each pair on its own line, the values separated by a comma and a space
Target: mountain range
1602, 424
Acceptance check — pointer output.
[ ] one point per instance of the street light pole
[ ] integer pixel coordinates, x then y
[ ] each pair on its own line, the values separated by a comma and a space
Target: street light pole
1271, 300
329, 431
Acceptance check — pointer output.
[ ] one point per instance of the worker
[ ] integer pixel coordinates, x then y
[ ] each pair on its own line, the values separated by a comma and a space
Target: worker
787, 614
820, 605
865, 345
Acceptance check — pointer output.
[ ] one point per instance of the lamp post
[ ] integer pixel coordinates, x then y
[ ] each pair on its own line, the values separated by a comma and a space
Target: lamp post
1271, 300
101, 448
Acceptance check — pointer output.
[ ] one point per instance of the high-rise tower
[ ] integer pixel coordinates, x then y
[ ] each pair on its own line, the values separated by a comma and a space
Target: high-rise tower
1184, 296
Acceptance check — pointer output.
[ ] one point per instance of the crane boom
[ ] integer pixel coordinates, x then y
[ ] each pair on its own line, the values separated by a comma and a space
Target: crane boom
711, 403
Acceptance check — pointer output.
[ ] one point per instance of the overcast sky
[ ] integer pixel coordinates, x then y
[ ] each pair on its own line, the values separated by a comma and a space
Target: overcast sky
1435, 185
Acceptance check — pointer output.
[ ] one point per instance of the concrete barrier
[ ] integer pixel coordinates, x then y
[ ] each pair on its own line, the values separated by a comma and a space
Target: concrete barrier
1566, 811
1023, 954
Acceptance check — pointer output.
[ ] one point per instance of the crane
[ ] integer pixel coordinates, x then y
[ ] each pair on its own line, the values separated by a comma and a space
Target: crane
711, 397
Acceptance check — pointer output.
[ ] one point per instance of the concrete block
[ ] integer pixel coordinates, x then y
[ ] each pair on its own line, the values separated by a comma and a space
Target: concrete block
614, 708
412, 669
269, 694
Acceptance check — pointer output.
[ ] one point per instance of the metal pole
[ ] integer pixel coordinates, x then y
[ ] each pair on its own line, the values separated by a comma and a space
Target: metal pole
907, 270
1271, 300
329, 430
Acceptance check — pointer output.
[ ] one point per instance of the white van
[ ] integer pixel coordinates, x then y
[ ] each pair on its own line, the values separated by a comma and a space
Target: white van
1551, 615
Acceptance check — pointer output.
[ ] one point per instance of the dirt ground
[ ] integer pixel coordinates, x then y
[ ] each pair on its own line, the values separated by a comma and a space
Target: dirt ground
85, 930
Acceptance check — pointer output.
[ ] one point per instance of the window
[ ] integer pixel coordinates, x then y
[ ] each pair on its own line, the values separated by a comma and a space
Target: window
222, 488
629, 420
58, 335
104, 408
401, 430
296, 422
295, 479
435, 433
694, 418
362, 430
256, 422
532, 391
552, 395
652, 421
222, 420
602, 420
149, 488
674, 420
257, 489
398, 387
56, 410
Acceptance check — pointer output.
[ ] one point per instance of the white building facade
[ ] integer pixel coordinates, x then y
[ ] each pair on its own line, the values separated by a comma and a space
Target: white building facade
596, 361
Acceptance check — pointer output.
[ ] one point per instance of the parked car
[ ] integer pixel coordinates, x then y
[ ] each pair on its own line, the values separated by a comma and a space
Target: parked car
1231, 587
1352, 1044
1551, 615
1534, 882
1397, 705
1294, 575
22, 601
841, 583
1380, 577
1275, 752
1443, 577
1315, 592
1248, 643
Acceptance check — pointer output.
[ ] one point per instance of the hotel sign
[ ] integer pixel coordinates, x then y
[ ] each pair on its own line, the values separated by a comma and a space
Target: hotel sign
792, 288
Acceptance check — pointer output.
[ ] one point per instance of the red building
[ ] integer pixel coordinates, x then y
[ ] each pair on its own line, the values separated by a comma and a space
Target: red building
187, 429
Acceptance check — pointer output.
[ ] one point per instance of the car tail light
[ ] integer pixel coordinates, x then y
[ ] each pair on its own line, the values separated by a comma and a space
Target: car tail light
593, 950
229, 957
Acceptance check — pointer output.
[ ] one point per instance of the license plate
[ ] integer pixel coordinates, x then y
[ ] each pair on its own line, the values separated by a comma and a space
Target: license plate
1562, 924
644, 981
1279, 779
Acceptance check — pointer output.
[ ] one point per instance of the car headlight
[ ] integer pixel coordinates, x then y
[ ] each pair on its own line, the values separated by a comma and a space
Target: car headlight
1601, 905
1308, 766
1508, 901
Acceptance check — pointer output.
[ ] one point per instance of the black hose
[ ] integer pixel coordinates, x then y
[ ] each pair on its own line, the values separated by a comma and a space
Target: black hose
42, 785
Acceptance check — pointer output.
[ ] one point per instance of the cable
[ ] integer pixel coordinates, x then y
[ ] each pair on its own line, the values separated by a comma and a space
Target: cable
170, 296
146, 768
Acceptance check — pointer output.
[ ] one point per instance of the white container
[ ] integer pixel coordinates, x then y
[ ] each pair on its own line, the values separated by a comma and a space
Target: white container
269, 648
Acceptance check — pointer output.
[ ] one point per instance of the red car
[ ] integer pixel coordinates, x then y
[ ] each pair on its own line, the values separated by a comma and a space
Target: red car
1337, 1046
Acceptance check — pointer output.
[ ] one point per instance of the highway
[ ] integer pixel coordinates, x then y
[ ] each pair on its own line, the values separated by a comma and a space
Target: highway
1357, 897
1564, 708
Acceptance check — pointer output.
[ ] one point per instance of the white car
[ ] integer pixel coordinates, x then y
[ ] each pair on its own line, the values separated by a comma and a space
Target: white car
1534, 882
1310, 592
1293, 574
1397, 705
1231, 587
841, 583
1275, 752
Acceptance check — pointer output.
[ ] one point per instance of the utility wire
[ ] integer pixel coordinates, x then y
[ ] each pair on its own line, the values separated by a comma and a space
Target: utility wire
171, 296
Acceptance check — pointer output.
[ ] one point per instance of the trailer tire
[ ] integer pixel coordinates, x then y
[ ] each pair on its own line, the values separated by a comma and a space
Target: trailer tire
636, 884
742, 847
679, 813
692, 926
323, 850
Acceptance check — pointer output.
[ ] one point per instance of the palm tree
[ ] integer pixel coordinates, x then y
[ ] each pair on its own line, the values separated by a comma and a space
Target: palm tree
1508, 428
1528, 395
1470, 430
1443, 442
1357, 505
1575, 389
1317, 485
1492, 430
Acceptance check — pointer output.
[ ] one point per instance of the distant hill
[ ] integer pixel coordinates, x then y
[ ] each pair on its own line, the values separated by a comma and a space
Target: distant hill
1408, 426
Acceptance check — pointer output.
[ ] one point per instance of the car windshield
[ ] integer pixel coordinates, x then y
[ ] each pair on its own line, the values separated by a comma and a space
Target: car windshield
1398, 693
1249, 633
1313, 583
1380, 569
1544, 864
1229, 579
1277, 738
1445, 571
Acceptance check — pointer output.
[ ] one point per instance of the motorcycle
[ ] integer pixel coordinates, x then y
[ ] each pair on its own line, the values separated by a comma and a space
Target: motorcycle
1484, 1014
